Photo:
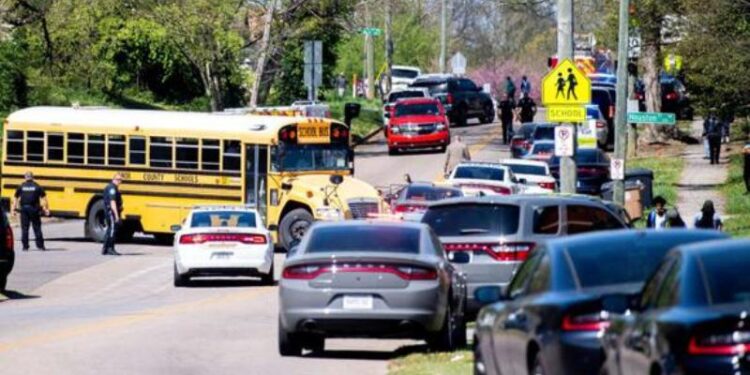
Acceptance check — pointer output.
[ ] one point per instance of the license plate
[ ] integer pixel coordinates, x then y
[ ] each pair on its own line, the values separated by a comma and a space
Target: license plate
221, 255
358, 303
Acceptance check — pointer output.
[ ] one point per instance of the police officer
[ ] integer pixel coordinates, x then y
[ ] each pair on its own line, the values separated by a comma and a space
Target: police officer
29, 200
112, 210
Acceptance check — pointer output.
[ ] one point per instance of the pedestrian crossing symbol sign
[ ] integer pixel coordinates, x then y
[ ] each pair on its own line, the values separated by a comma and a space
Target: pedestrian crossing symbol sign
566, 85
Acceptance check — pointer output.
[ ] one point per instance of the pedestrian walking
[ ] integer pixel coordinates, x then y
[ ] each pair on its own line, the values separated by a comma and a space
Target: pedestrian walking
662, 217
527, 108
507, 107
30, 201
746, 172
341, 85
510, 88
708, 218
525, 86
712, 129
112, 214
456, 153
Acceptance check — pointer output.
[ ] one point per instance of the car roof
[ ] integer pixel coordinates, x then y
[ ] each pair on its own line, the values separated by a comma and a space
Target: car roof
585, 240
520, 199
369, 222
210, 208
725, 248
437, 77
481, 164
523, 162
424, 184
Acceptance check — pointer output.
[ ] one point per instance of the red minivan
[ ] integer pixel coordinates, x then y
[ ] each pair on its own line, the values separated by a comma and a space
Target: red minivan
417, 123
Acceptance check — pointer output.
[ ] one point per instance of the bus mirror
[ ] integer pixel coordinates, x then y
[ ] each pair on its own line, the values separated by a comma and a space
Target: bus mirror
351, 111
336, 179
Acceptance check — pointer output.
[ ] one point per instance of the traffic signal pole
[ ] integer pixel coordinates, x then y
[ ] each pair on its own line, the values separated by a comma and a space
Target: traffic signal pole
621, 115
568, 172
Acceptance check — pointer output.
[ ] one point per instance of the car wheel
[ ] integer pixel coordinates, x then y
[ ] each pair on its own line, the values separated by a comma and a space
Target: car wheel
96, 225
392, 151
461, 116
451, 336
294, 225
180, 280
479, 367
289, 345
489, 116
164, 238
267, 279
537, 368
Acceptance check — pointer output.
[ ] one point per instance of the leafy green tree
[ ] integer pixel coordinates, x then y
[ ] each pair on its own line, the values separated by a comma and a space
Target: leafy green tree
13, 87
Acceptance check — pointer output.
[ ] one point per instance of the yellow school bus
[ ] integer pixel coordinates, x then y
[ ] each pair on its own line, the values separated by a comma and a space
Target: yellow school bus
294, 170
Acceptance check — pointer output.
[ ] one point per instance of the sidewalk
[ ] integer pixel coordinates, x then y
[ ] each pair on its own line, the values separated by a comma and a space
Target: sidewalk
700, 180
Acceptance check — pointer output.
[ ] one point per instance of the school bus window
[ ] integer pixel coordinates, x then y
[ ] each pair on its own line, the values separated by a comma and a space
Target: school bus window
161, 152
137, 150
231, 155
210, 155
15, 145
75, 148
187, 153
35, 146
115, 149
95, 149
55, 147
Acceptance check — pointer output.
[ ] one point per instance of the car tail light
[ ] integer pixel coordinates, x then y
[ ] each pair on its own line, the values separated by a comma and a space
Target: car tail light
547, 185
201, 238
402, 208
503, 252
591, 171
9, 238
587, 322
449, 99
611, 111
406, 272
720, 344
601, 125
502, 190
671, 96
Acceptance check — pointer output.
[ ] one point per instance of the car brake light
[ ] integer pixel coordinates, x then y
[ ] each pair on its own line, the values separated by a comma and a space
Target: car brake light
587, 322
200, 238
591, 171
449, 98
406, 272
600, 125
547, 185
502, 190
401, 208
721, 344
9, 238
671, 96
503, 252
611, 111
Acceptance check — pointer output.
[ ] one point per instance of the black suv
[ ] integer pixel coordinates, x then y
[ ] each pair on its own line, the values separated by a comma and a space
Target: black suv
461, 98
7, 256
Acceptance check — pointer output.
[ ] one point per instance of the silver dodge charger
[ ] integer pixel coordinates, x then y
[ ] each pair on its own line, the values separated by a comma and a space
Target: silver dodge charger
370, 279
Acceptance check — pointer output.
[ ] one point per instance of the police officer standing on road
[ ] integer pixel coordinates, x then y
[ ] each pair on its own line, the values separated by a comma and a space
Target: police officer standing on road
112, 211
29, 200
528, 108
507, 108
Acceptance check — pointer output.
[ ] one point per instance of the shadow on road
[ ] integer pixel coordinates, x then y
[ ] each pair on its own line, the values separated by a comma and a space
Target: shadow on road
224, 283
12, 294
149, 241
368, 355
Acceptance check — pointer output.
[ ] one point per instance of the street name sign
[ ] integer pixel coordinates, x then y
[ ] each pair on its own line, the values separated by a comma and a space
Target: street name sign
656, 118
566, 85
371, 31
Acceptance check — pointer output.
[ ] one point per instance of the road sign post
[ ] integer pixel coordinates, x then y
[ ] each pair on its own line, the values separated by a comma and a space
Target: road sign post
618, 193
458, 64
313, 73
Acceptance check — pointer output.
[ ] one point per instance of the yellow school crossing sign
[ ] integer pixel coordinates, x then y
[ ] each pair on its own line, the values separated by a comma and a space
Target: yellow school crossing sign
565, 92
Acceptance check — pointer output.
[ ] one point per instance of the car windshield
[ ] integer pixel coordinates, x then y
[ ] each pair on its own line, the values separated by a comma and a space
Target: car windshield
325, 157
528, 169
425, 193
480, 173
404, 73
404, 94
544, 148
473, 219
417, 109
544, 133
233, 219
611, 262
352, 238
727, 278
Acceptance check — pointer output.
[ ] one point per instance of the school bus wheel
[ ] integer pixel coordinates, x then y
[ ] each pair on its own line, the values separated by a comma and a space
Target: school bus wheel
96, 225
294, 225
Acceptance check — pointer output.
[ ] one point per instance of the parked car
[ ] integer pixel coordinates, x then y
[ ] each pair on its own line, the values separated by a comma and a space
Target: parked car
521, 142
691, 318
593, 170
417, 123
593, 113
7, 253
222, 241
556, 307
402, 76
462, 99
498, 233
400, 94
370, 279
604, 98
474, 178
542, 150
534, 175
415, 197
675, 99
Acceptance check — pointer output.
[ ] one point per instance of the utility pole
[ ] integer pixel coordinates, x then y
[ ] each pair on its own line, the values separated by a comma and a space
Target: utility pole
443, 33
568, 171
369, 52
388, 47
621, 126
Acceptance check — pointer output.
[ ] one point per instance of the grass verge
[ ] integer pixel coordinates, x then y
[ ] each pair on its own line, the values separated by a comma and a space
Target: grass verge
370, 115
737, 203
454, 363
667, 171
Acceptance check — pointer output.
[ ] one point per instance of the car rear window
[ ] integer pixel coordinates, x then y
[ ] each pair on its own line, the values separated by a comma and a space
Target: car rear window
232, 219
404, 73
473, 219
404, 94
528, 169
480, 173
432, 86
425, 193
527, 130
727, 278
417, 109
377, 238
589, 156
543, 148
544, 132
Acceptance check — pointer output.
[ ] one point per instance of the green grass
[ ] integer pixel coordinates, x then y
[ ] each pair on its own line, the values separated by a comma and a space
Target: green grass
667, 171
370, 115
737, 203
455, 363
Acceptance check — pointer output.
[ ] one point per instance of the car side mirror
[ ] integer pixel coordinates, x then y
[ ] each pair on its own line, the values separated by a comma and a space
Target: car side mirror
351, 111
489, 294
175, 228
460, 257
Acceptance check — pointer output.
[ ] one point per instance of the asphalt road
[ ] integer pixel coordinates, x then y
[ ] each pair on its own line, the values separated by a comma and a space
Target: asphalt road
73, 311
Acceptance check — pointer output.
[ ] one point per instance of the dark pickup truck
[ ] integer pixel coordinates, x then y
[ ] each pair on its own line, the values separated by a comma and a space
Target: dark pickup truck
461, 98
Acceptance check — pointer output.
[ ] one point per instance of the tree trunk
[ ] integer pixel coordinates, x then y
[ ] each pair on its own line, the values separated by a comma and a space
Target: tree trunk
650, 60
212, 87
265, 43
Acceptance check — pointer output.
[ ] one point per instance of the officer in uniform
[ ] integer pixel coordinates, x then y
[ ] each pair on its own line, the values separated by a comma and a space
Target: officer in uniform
112, 210
29, 200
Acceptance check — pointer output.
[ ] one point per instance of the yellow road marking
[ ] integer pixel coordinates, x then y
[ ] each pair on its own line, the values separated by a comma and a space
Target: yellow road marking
495, 131
126, 320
